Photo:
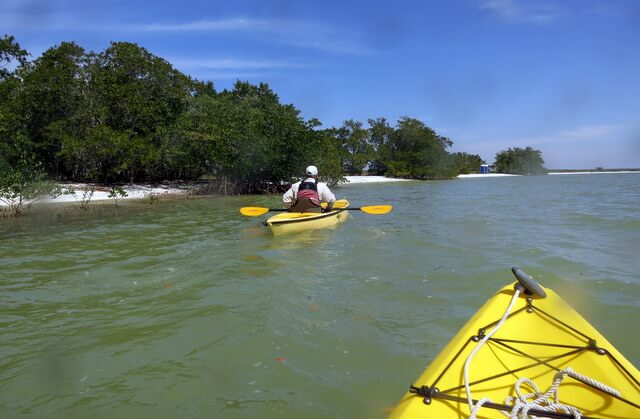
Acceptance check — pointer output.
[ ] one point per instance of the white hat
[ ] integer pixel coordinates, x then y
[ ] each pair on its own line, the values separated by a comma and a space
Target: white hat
311, 171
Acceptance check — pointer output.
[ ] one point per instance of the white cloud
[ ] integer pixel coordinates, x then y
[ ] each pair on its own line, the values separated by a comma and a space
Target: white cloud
518, 11
291, 32
578, 134
233, 63
577, 147
232, 75
234, 24
593, 131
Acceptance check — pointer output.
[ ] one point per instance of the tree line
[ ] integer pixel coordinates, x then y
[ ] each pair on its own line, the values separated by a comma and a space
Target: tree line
125, 115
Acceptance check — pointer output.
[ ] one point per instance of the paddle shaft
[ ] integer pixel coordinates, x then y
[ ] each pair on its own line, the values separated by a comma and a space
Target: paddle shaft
371, 209
334, 209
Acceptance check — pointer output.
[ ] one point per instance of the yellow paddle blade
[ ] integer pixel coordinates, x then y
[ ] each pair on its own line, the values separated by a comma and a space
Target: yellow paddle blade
339, 204
253, 211
376, 209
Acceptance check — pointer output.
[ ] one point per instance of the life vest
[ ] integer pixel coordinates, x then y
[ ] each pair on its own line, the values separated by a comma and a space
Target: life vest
309, 191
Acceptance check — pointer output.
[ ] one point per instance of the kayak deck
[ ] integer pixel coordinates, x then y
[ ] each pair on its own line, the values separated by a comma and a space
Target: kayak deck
540, 337
292, 222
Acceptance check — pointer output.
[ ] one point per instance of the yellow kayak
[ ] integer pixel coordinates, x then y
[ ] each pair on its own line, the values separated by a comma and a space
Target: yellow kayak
293, 222
506, 353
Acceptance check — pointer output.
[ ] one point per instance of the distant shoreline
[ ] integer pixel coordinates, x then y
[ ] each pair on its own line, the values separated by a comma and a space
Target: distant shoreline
581, 172
88, 192
101, 193
593, 172
597, 170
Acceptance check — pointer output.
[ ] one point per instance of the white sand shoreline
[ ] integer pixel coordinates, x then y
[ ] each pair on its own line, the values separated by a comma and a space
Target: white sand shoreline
101, 193
370, 179
80, 191
484, 175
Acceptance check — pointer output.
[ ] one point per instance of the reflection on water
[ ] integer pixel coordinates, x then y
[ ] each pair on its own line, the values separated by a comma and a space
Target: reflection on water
187, 308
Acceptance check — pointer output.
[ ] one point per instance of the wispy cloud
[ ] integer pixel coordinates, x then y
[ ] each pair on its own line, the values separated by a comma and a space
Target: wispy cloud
233, 64
234, 68
518, 11
606, 9
593, 131
232, 75
290, 32
219, 65
220, 25
586, 133
578, 137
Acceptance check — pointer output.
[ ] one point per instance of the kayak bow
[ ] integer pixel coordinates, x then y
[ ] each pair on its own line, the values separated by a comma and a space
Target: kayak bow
522, 341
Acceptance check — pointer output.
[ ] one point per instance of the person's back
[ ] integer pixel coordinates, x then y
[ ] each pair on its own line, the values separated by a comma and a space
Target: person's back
308, 194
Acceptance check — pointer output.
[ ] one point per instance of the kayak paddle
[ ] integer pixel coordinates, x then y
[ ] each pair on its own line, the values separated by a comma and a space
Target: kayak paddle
370, 209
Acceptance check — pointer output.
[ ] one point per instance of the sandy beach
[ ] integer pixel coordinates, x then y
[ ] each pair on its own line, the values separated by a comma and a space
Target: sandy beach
78, 192
484, 175
101, 193
371, 179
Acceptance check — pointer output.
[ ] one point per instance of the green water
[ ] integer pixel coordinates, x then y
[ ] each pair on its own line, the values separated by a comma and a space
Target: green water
188, 309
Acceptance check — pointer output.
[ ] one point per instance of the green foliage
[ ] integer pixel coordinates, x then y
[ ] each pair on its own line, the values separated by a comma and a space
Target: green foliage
189, 147
87, 194
326, 154
116, 193
520, 161
263, 142
12, 140
125, 115
415, 151
356, 149
467, 163
135, 90
380, 133
24, 184
53, 93
107, 155
10, 51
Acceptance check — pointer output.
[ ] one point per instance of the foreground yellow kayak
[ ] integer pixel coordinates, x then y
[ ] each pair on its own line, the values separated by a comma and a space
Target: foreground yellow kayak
541, 339
293, 222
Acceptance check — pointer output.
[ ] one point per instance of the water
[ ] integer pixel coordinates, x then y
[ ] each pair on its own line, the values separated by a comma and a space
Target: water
188, 309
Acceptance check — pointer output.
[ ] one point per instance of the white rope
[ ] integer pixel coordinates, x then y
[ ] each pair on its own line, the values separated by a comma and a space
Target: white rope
547, 401
522, 405
480, 345
603, 387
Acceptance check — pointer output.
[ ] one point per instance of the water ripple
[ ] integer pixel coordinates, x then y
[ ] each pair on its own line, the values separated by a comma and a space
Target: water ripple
186, 308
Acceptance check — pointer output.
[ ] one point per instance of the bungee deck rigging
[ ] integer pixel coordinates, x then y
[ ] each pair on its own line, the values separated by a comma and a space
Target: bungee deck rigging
542, 341
432, 391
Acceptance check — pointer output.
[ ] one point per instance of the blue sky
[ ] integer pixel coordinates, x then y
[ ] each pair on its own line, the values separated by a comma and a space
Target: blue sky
562, 76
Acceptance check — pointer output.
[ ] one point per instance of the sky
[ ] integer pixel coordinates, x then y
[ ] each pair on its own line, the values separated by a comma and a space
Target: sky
561, 76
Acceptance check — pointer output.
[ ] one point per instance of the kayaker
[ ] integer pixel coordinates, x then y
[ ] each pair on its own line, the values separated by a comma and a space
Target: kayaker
306, 195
